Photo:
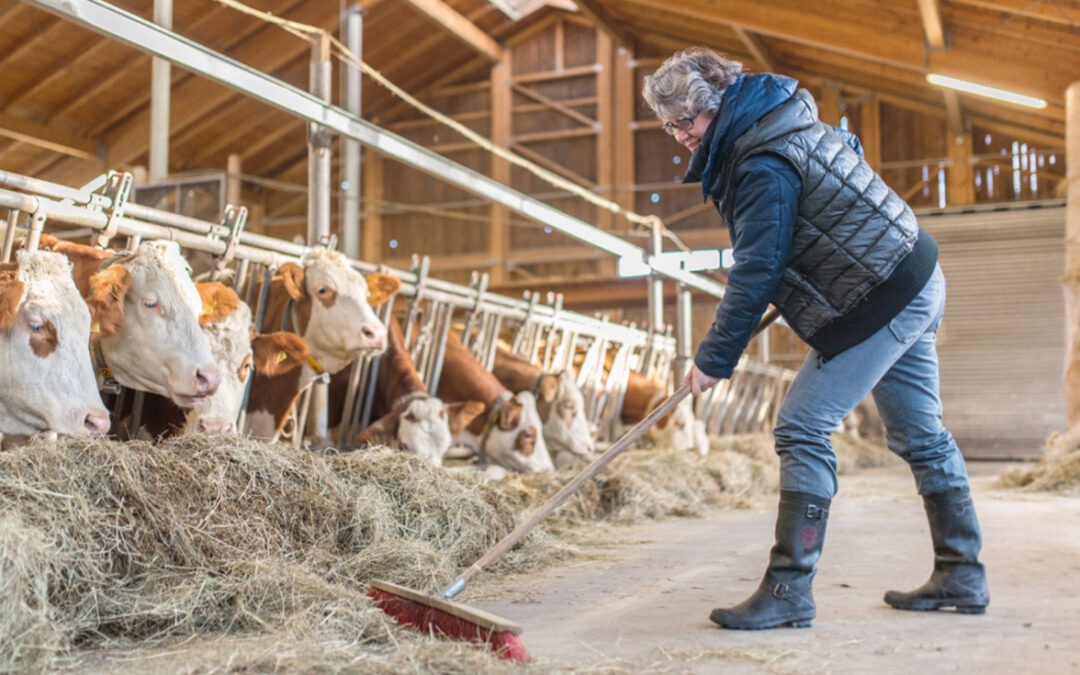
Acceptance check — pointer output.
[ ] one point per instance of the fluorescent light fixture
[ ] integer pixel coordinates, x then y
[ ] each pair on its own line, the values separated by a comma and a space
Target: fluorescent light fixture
983, 90
672, 261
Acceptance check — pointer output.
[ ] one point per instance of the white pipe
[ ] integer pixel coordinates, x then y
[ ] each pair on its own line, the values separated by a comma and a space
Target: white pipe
353, 29
160, 95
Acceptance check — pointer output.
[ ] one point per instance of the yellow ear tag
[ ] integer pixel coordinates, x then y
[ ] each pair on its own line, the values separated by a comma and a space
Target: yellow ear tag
281, 357
95, 327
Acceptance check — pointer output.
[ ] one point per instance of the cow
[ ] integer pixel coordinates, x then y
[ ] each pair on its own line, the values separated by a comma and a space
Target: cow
237, 351
145, 312
508, 434
681, 430
329, 305
558, 401
405, 413
47, 382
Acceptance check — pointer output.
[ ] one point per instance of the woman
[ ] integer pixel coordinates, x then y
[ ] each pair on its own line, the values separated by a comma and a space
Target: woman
816, 232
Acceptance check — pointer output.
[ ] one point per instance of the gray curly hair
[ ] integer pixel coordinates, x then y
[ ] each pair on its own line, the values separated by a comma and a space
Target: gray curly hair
690, 82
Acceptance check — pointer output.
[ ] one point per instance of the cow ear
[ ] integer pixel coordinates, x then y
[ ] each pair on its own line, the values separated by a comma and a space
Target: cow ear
11, 292
218, 301
380, 287
525, 441
293, 277
463, 413
274, 354
509, 415
549, 387
47, 242
106, 300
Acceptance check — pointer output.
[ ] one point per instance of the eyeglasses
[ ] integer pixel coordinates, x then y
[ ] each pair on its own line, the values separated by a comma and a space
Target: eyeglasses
679, 125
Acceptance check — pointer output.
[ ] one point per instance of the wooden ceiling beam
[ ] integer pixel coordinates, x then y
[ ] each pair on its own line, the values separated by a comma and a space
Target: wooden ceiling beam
50, 138
461, 28
1059, 13
933, 27
806, 26
757, 49
595, 10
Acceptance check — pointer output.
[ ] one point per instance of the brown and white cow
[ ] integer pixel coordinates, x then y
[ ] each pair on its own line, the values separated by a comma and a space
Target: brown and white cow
237, 351
328, 304
145, 310
681, 430
405, 413
558, 401
47, 381
508, 434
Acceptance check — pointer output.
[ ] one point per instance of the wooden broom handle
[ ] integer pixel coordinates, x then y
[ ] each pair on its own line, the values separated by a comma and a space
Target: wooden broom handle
556, 500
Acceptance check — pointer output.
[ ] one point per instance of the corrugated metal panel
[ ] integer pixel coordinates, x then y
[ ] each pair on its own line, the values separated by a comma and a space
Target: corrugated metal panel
1002, 343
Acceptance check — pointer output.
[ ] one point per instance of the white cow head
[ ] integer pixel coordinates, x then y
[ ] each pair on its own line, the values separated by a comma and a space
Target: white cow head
147, 311
566, 429
422, 425
341, 326
237, 351
47, 380
514, 439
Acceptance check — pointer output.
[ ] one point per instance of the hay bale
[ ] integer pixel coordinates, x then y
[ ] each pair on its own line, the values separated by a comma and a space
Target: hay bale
1057, 470
206, 546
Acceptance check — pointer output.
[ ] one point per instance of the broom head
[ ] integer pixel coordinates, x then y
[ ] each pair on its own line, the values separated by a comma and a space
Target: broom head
443, 618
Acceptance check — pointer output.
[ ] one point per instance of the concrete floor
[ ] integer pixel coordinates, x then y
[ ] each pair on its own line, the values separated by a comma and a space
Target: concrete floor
643, 606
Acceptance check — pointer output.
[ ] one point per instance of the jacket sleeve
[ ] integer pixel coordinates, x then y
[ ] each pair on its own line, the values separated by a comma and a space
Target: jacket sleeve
765, 198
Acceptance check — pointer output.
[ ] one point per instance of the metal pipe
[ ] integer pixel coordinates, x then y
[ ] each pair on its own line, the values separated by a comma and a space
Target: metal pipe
160, 94
319, 141
9, 234
353, 29
684, 309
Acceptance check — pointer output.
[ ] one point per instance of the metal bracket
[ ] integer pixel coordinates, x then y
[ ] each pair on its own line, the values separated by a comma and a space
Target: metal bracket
235, 219
117, 190
328, 241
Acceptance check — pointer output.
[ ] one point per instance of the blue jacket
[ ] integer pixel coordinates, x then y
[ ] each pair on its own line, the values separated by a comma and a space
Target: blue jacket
835, 259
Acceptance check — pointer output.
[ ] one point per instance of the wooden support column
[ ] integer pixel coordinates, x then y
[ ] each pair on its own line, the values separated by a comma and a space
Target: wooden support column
829, 105
622, 128
605, 125
1071, 278
233, 183
870, 133
501, 112
371, 230
961, 180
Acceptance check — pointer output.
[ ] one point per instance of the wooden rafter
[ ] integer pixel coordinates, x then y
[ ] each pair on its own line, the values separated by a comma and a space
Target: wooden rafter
933, 27
47, 137
598, 13
461, 28
755, 46
557, 106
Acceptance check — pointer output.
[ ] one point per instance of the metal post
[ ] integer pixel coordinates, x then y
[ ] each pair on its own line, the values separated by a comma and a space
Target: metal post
656, 283
684, 332
319, 140
353, 32
160, 93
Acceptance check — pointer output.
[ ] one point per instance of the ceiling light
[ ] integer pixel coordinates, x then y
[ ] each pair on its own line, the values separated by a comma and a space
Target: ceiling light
983, 90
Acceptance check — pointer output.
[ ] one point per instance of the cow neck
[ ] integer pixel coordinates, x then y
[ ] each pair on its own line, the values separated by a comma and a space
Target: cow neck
492, 422
291, 315
106, 379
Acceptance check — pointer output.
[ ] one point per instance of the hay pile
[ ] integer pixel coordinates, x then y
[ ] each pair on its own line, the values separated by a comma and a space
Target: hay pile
1058, 470
244, 555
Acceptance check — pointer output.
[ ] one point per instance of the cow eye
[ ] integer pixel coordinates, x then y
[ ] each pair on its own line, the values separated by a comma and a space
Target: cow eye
150, 303
323, 290
36, 325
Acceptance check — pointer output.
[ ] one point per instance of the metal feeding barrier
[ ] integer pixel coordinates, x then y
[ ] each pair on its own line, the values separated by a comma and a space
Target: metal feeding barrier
600, 352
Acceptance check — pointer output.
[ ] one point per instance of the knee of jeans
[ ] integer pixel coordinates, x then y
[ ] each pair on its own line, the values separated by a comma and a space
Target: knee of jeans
790, 433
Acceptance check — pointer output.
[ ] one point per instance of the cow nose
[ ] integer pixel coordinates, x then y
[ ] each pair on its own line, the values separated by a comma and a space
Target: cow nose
214, 425
374, 336
96, 423
207, 380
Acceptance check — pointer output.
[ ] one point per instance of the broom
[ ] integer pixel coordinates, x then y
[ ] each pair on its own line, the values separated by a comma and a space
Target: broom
438, 616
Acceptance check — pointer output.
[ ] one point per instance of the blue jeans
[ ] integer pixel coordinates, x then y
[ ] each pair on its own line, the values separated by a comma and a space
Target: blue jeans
898, 364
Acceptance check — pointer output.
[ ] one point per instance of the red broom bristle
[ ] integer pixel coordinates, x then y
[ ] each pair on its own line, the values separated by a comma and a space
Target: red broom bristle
434, 621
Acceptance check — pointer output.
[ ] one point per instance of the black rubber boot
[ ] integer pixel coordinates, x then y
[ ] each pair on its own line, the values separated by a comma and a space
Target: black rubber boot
958, 579
784, 597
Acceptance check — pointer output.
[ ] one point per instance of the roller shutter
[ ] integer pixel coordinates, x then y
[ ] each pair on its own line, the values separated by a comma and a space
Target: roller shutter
1002, 342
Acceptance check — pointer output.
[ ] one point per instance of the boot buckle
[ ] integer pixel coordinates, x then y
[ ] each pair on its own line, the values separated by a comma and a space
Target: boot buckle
779, 591
815, 512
